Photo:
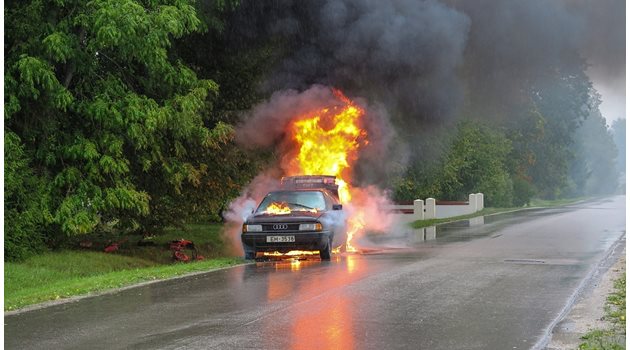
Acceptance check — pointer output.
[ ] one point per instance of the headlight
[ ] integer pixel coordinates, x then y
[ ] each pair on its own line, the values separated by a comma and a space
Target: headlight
311, 227
252, 228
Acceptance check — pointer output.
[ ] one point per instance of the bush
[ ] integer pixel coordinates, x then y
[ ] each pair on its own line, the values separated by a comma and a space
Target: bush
523, 192
24, 203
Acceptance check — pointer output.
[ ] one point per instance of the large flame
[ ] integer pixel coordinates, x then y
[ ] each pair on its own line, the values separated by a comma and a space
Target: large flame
278, 208
328, 144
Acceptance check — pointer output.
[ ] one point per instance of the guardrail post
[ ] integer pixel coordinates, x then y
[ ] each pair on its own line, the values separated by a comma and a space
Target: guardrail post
429, 212
418, 209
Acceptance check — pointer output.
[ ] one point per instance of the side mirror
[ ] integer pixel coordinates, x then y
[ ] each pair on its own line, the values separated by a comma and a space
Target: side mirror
337, 206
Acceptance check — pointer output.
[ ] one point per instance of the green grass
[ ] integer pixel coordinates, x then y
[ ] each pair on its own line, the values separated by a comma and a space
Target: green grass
53, 276
616, 304
68, 273
614, 337
536, 202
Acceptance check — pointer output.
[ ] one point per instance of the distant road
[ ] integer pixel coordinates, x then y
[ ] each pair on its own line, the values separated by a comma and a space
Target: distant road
498, 285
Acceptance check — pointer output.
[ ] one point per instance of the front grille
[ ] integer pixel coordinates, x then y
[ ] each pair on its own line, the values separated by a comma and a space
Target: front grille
280, 227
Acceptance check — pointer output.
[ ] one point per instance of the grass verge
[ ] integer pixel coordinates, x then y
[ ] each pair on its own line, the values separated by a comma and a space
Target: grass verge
68, 273
61, 275
614, 337
546, 203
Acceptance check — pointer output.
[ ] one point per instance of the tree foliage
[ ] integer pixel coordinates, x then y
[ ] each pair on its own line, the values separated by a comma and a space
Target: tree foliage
99, 101
619, 136
25, 202
593, 165
542, 133
554, 144
476, 161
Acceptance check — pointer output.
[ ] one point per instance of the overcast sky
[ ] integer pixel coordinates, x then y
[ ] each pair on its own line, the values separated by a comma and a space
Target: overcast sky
605, 50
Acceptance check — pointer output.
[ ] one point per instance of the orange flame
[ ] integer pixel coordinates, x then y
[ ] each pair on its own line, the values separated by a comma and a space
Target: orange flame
278, 208
329, 140
356, 224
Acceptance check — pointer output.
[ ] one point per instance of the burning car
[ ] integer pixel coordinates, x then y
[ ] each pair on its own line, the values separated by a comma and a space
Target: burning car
305, 214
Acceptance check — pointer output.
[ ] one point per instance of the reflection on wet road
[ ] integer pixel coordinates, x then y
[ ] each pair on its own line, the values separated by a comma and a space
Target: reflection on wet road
331, 326
497, 282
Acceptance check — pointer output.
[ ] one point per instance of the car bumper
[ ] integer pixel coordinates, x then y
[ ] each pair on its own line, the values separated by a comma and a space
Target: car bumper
257, 241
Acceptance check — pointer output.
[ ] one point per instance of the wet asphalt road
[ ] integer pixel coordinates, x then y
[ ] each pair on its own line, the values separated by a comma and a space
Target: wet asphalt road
498, 284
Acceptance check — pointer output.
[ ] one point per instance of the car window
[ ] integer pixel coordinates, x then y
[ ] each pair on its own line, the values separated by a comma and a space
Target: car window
329, 201
295, 200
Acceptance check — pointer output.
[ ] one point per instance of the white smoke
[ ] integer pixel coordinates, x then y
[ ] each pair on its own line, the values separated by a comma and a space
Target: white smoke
243, 206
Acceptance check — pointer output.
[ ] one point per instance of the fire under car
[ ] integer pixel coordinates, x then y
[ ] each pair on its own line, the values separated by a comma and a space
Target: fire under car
305, 214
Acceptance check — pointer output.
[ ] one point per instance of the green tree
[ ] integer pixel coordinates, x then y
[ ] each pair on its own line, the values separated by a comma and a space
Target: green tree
475, 163
238, 64
593, 167
100, 102
542, 129
25, 203
420, 180
619, 136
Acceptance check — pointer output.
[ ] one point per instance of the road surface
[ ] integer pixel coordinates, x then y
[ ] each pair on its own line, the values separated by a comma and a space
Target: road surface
498, 283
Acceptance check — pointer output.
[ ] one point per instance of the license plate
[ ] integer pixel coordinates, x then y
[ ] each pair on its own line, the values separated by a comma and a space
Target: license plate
280, 239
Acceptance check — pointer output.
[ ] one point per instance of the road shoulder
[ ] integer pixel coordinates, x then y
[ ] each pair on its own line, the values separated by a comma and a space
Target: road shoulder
588, 312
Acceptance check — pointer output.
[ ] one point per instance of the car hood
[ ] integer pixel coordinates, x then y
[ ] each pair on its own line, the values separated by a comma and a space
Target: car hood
293, 217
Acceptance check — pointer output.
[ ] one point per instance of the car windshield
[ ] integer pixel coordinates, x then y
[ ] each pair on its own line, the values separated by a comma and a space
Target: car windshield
284, 202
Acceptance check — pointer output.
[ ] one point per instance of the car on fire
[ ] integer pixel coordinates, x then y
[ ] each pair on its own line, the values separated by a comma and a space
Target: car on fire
305, 214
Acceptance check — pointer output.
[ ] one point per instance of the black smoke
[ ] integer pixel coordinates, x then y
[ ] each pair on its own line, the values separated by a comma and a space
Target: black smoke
426, 63
515, 44
403, 54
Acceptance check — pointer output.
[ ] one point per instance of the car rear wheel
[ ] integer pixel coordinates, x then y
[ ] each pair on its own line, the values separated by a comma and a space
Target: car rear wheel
324, 254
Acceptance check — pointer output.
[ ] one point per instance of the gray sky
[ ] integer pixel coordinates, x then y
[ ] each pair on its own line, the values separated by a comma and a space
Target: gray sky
613, 98
604, 33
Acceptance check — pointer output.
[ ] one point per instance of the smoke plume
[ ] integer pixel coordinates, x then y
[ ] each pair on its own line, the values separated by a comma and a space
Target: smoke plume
426, 62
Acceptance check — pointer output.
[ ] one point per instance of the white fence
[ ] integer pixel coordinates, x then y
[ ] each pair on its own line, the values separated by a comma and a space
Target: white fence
432, 209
